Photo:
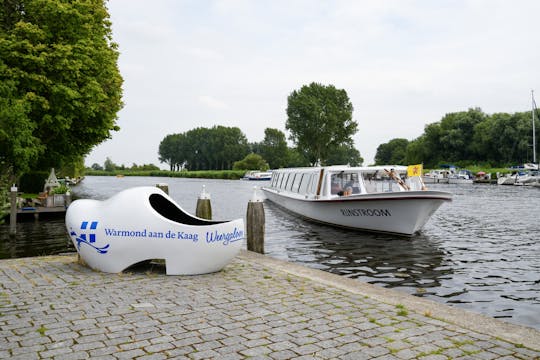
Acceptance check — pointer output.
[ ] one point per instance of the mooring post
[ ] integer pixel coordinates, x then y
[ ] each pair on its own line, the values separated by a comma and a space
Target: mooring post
67, 199
164, 187
13, 212
255, 224
204, 207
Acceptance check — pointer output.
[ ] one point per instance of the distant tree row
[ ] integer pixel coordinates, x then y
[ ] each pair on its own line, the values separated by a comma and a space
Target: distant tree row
109, 165
319, 119
464, 138
215, 148
222, 148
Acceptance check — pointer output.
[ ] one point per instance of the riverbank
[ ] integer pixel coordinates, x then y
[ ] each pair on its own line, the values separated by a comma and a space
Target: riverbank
256, 307
201, 174
233, 174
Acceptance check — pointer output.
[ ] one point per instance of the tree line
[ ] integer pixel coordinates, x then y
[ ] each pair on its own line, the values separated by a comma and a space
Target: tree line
319, 118
220, 147
212, 149
467, 138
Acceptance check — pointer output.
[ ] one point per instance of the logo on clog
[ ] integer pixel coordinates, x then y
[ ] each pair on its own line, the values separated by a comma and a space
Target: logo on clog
88, 236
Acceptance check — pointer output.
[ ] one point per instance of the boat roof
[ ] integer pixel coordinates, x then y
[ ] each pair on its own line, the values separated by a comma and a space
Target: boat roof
339, 168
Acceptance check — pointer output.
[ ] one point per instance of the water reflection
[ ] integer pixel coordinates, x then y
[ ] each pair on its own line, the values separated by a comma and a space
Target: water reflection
387, 260
35, 238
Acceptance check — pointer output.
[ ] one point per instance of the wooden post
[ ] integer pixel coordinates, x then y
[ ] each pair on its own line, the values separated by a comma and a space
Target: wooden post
255, 224
164, 187
204, 207
13, 212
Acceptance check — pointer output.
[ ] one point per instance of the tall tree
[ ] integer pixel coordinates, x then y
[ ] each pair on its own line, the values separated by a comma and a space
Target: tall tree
344, 154
319, 118
203, 149
274, 148
393, 152
59, 81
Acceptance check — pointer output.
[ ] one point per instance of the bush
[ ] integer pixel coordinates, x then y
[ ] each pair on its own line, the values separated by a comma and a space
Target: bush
33, 182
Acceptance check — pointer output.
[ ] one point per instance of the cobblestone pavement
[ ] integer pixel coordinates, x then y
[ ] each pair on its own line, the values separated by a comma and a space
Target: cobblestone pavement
257, 307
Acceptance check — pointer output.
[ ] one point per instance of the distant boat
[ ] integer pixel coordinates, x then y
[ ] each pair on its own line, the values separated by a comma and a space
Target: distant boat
356, 198
437, 176
520, 175
258, 175
463, 176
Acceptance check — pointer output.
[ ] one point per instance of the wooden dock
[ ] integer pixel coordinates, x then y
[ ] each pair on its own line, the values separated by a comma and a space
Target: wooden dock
41, 210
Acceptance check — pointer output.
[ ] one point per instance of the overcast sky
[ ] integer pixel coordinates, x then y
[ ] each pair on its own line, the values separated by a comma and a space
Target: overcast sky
404, 64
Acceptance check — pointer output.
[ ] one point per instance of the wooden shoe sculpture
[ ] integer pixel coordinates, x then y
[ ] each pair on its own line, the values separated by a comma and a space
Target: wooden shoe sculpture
144, 223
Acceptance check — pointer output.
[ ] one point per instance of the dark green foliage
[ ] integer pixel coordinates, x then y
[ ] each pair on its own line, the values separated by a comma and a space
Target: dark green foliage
393, 152
33, 182
251, 162
274, 148
60, 88
343, 155
204, 149
467, 138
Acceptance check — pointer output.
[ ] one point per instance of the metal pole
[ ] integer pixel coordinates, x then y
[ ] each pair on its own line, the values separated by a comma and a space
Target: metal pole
13, 213
533, 130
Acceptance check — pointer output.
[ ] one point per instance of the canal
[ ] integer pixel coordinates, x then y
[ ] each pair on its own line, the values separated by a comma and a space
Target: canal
480, 252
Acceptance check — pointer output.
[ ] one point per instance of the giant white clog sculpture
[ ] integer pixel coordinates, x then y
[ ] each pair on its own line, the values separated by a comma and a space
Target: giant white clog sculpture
144, 223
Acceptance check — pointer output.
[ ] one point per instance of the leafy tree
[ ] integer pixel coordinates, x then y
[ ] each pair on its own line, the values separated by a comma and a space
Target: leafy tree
96, 166
471, 137
297, 158
344, 154
320, 118
59, 81
274, 148
393, 152
109, 165
417, 151
457, 135
251, 162
172, 151
204, 149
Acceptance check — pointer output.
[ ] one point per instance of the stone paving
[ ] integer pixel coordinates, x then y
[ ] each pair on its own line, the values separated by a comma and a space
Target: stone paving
257, 307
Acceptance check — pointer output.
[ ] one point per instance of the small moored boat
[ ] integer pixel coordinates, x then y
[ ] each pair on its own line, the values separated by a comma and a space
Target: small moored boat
362, 198
258, 175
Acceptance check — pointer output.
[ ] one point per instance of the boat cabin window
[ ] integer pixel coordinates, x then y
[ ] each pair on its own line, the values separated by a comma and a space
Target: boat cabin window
297, 182
283, 181
275, 177
304, 184
345, 184
290, 181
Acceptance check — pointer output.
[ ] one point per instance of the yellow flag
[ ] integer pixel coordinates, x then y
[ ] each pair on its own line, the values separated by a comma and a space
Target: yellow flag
414, 170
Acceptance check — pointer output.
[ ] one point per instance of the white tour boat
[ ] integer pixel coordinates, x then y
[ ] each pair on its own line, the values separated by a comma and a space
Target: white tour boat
363, 198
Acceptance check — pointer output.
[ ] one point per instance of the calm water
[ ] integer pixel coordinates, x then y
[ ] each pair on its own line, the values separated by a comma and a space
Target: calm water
481, 252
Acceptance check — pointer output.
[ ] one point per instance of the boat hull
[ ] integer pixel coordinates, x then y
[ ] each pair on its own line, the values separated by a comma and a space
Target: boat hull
398, 213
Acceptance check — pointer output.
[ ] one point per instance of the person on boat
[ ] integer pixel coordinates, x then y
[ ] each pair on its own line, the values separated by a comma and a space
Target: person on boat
336, 188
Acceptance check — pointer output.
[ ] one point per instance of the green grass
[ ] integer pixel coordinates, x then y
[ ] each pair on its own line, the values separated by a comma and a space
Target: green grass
41, 330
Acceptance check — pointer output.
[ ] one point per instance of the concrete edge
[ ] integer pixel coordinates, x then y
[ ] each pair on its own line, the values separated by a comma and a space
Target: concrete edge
516, 334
